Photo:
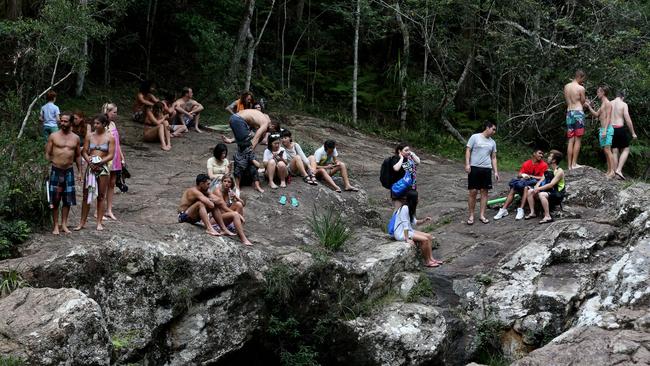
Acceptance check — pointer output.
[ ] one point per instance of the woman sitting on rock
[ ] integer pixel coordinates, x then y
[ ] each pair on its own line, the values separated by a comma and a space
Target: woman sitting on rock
297, 162
225, 190
218, 166
275, 162
404, 219
156, 126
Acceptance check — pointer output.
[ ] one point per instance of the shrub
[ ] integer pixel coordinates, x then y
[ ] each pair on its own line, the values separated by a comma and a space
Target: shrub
329, 228
12, 233
11, 280
279, 284
422, 288
11, 361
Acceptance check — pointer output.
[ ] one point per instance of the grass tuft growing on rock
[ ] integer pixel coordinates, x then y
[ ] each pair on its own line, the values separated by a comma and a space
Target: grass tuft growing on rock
279, 284
11, 361
421, 289
330, 228
10, 281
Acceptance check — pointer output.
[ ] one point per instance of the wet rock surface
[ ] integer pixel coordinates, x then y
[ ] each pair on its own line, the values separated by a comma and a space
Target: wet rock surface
169, 294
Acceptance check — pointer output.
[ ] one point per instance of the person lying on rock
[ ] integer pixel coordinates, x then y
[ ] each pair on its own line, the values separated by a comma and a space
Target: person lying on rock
531, 172
403, 228
550, 190
196, 203
325, 163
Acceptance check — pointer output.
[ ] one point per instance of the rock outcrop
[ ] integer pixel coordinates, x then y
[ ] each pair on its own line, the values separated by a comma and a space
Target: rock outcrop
45, 326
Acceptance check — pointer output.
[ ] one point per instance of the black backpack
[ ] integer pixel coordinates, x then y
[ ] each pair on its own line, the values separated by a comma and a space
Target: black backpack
388, 176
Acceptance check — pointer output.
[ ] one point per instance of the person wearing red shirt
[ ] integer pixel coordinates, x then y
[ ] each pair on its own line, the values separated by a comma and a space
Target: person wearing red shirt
530, 173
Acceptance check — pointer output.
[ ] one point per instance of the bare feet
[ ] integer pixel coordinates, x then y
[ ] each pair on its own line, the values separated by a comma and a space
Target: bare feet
227, 140
577, 166
197, 130
81, 226
351, 189
56, 230
229, 233
100, 227
273, 185
283, 184
111, 216
247, 243
166, 148
65, 229
213, 232
259, 189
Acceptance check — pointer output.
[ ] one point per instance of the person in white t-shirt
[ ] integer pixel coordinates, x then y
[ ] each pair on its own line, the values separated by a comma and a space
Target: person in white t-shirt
325, 163
275, 162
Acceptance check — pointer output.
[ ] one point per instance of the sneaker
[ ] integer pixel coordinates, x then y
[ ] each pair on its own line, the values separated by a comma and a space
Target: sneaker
502, 212
520, 214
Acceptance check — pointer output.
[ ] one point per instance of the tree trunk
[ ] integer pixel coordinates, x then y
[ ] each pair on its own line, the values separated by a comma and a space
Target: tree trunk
403, 67
14, 9
151, 20
355, 73
244, 28
252, 46
107, 63
81, 75
284, 26
249, 60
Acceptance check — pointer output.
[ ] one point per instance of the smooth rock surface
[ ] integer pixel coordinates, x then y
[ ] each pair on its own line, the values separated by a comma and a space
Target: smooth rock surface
45, 326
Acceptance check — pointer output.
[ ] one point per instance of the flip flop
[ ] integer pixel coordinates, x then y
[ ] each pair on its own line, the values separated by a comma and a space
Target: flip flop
484, 220
283, 200
353, 189
294, 202
470, 221
546, 221
432, 265
528, 217
620, 176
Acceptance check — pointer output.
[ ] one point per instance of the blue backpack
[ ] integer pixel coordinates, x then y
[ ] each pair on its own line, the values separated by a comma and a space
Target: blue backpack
391, 224
400, 187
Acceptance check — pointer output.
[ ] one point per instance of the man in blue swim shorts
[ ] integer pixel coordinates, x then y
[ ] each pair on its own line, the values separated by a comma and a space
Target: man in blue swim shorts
574, 94
606, 130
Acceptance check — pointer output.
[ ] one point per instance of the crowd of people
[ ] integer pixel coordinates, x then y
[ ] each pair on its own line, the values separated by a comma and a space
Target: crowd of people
93, 145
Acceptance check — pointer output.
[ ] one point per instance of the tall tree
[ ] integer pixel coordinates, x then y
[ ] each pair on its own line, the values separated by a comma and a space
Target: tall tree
240, 42
355, 73
252, 46
403, 65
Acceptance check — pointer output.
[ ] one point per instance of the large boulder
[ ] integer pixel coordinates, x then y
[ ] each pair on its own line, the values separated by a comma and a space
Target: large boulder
401, 334
45, 326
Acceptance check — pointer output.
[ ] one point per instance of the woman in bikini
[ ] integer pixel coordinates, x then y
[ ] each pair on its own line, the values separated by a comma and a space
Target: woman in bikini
98, 150
156, 127
230, 197
115, 166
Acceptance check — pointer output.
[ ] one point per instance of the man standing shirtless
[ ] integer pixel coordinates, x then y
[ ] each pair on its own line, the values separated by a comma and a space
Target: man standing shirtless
606, 131
621, 140
62, 149
188, 110
243, 121
574, 94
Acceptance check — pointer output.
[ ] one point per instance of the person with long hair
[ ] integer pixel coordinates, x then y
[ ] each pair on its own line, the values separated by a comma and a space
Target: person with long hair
143, 99
110, 110
245, 101
403, 228
218, 166
80, 128
156, 126
275, 162
226, 191
98, 150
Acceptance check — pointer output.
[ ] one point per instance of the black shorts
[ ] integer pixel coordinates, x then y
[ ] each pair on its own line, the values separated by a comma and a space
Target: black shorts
479, 178
621, 138
555, 197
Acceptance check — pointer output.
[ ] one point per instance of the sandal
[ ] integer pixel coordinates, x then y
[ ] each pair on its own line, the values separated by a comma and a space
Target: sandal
470, 221
530, 216
546, 221
484, 220
306, 179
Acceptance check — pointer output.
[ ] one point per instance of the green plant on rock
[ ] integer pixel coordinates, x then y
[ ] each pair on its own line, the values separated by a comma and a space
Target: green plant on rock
330, 228
12, 233
280, 284
304, 356
11, 361
122, 340
11, 280
421, 289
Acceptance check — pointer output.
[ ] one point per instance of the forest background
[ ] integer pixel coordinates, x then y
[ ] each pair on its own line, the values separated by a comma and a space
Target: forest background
428, 72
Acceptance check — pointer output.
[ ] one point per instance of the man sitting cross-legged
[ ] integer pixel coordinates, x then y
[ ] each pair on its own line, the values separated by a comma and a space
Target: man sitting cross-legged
188, 110
531, 172
196, 203
324, 163
550, 190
